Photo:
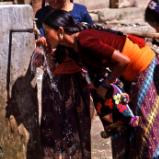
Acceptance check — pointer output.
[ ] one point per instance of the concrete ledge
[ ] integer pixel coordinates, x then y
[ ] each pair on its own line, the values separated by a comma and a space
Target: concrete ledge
108, 14
16, 17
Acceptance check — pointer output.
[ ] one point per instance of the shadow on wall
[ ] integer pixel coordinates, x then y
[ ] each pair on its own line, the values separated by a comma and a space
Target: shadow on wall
22, 111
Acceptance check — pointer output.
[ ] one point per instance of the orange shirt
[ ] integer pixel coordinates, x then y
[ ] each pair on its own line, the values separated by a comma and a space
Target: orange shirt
140, 58
96, 49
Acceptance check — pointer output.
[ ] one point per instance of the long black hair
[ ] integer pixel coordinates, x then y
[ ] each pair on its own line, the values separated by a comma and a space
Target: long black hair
61, 18
41, 14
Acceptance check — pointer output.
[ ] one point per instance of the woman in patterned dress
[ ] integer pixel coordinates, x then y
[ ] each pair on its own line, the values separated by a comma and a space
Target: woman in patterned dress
65, 116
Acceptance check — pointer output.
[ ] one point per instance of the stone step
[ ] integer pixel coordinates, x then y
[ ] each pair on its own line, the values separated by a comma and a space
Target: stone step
108, 14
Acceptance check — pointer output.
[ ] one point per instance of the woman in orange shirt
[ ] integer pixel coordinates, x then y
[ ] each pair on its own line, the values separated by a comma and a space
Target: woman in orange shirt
128, 57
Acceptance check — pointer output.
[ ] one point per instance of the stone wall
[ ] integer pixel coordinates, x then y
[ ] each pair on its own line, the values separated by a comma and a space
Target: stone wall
19, 133
92, 4
100, 4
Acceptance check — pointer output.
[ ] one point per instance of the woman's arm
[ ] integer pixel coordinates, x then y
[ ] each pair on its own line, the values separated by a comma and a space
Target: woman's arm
120, 62
103, 51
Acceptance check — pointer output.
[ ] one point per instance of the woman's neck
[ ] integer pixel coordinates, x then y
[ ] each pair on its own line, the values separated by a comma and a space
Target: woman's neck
71, 41
75, 41
68, 6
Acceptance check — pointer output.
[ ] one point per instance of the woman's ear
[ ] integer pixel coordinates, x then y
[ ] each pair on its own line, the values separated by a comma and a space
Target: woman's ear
60, 33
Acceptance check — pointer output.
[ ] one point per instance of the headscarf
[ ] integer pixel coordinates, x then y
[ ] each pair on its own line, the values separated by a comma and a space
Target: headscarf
154, 5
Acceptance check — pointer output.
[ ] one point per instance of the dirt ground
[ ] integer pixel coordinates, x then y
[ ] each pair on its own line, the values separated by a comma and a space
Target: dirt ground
101, 148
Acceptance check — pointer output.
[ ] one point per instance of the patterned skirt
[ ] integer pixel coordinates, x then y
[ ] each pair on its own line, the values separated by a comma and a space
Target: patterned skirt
66, 122
142, 142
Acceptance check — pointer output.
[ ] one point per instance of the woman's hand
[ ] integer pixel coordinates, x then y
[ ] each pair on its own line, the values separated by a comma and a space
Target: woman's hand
41, 42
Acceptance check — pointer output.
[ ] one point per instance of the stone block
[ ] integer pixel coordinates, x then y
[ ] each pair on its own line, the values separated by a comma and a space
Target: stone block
109, 14
15, 17
91, 5
19, 133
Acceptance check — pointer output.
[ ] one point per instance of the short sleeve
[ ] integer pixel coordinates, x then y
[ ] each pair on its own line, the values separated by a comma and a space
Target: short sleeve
95, 46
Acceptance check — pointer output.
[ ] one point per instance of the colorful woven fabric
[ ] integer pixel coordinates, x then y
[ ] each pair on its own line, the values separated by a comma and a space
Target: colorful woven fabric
146, 104
115, 100
142, 142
